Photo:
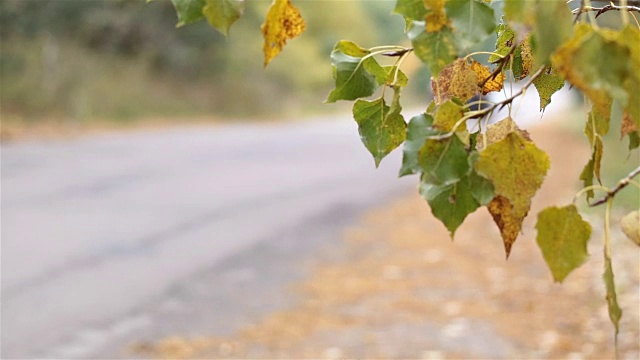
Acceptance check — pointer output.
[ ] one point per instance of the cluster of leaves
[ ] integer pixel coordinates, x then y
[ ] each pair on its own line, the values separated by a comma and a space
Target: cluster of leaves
462, 163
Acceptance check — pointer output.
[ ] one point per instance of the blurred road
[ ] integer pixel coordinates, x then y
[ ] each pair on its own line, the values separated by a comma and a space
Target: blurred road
94, 230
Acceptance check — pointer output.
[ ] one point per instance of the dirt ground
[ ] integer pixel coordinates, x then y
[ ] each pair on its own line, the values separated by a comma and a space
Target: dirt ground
399, 288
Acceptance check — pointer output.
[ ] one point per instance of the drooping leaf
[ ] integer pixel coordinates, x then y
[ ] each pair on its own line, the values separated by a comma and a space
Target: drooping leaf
597, 63
435, 17
587, 177
472, 21
443, 161
562, 238
450, 203
597, 124
283, 22
418, 130
593, 166
630, 37
456, 80
189, 11
547, 84
634, 140
436, 49
516, 167
483, 73
553, 23
381, 129
615, 313
508, 219
353, 81
221, 14
446, 115
630, 225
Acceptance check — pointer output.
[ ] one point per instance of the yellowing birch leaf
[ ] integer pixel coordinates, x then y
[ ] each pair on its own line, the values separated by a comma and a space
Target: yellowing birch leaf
456, 80
526, 56
498, 131
516, 167
482, 73
436, 17
283, 22
630, 224
509, 220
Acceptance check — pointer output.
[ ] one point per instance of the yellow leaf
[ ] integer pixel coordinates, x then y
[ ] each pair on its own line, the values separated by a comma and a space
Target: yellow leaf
498, 131
447, 115
482, 73
509, 220
527, 57
455, 80
436, 18
516, 167
283, 22
630, 224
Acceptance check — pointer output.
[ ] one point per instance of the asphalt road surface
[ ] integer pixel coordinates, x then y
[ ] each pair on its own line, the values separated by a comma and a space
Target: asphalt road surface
118, 237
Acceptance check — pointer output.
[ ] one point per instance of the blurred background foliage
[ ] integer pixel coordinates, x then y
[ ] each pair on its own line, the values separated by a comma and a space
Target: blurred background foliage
117, 60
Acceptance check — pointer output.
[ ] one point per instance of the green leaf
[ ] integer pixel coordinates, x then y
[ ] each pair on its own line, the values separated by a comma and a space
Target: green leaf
450, 203
587, 176
599, 123
615, 313
634, 140
352, 80
506, 38
189, 11
418, 130
381, 128
553, 23
473, 21
436, 49
481, 188
412, 10
547, 84
392, 79
443, 161
562, 238
221, 14
520, 11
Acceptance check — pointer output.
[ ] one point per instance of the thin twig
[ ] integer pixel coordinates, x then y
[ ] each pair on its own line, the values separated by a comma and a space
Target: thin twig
604, 9
502, 62
579, 11
621, 185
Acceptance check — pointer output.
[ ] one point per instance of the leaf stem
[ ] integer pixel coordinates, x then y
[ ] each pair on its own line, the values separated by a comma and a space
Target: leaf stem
589, 188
